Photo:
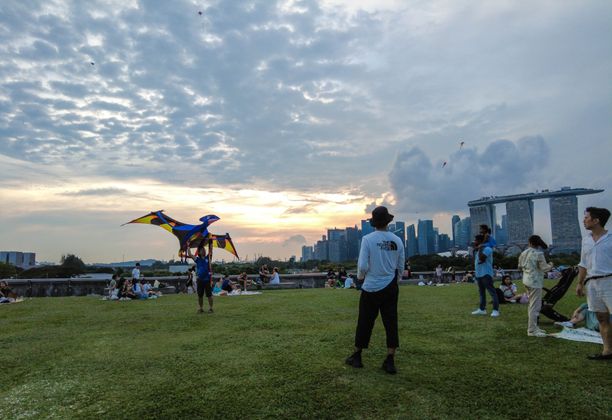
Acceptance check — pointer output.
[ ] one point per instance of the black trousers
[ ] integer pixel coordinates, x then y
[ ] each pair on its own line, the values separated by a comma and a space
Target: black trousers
370, 303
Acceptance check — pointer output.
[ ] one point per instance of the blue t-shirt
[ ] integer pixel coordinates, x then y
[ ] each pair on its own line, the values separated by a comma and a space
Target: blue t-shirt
202, 268
484, 268
491, 242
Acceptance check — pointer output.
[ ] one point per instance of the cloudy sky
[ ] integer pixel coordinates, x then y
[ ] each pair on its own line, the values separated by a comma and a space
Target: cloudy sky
284, 118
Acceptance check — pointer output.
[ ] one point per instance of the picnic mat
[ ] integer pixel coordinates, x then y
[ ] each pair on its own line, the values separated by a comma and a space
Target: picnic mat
579, 334
5, 301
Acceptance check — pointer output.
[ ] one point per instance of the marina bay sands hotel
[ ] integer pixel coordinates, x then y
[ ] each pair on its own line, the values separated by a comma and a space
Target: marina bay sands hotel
564, 221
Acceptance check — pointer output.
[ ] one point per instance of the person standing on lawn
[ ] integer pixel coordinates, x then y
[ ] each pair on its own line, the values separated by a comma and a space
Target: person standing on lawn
595, 274
483, 266
204, 281
380, 266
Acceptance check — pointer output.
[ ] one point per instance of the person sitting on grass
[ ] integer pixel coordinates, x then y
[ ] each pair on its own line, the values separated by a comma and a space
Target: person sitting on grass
264, 274
127, 292
341, 277
138, 290
331, 278
228, 285
6, 294
581, 314
148, 289
349, 283
244, 281
509, 291
275, 279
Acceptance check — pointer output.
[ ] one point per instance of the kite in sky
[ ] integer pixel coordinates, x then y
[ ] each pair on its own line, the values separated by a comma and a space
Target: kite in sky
461, 145
189, 236
444, 164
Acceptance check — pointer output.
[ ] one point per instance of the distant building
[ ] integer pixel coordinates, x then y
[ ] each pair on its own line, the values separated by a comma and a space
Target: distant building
399, 229
501, 232
564, 224
520, 221
307, 253
454, 221
444, 243
353, 236
24, 260
366, 228
412, 246
426, 238
463, 230
321, 249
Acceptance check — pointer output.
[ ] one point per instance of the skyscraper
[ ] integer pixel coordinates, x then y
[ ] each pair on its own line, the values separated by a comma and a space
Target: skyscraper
336, 239
520, 221
399, 229
454, 221
353, 234
366, 227
463, 229
444, 242
564, 224
307, 253
412, 246
426, 238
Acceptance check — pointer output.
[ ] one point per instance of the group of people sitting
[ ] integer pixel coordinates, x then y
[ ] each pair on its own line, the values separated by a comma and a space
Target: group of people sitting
6, 294
224, 286
121, 288
342, 280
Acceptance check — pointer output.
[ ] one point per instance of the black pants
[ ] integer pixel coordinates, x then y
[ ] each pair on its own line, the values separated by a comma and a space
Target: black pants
370, 303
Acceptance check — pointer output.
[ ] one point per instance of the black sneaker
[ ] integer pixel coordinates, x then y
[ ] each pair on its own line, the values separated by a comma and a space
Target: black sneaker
389, 366
354, 360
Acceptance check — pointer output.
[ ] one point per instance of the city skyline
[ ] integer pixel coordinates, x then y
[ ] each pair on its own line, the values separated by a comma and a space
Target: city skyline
285, 117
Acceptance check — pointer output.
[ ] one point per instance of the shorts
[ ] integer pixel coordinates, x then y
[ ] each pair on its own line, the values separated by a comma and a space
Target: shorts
204, 287
599, 295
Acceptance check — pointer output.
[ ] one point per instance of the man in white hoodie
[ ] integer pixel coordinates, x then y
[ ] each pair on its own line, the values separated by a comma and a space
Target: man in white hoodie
380, 266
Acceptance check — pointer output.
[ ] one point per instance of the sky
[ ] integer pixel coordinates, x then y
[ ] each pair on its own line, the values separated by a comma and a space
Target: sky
285, 118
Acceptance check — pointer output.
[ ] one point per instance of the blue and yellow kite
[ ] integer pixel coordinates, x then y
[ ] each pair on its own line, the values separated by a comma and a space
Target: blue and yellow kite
189, 236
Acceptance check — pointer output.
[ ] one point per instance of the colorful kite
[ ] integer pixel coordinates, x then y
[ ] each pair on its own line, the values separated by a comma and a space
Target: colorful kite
189, 236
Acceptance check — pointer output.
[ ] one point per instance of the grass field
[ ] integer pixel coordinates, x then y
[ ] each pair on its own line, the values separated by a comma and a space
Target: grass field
281, 354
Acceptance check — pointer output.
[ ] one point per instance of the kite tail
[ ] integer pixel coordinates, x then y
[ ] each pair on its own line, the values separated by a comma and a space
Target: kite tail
210, 255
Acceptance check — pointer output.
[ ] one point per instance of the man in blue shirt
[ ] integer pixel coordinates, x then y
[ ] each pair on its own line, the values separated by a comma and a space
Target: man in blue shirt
204, 282
483, 262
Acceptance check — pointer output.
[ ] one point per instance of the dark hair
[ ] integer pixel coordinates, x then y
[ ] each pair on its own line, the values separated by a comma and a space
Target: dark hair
479, 238
486, 228
599, 213
506, 276
535, 240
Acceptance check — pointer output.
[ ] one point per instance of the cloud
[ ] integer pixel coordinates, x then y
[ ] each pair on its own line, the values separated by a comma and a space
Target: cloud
98, 192
504, 167
294, 240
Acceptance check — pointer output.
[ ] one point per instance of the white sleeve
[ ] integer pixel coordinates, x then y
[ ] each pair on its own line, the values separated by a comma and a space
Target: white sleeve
401, 259
363, 264
583, 262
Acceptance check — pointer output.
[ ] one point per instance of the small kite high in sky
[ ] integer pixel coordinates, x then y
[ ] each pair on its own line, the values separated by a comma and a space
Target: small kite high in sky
461, 143
444, 164
189, 236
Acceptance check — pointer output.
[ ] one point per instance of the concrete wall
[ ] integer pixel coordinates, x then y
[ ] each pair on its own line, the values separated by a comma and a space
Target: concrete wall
84, 286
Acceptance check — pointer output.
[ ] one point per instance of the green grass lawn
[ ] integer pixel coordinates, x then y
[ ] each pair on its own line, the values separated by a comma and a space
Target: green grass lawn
281, 354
